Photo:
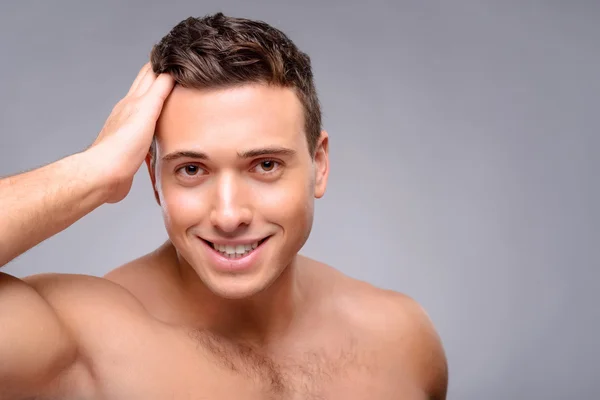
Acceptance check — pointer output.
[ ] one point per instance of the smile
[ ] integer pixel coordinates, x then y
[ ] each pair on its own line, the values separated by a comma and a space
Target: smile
234, 252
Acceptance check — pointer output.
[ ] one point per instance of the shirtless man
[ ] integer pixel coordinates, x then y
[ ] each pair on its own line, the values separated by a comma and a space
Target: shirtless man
226, 309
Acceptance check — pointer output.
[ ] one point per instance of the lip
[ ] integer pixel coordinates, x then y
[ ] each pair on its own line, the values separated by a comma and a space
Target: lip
242, 264
235, 242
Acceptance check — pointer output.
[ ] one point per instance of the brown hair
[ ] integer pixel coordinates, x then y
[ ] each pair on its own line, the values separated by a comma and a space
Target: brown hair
218, 51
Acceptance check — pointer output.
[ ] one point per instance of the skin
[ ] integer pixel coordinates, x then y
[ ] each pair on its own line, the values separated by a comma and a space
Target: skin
231, 164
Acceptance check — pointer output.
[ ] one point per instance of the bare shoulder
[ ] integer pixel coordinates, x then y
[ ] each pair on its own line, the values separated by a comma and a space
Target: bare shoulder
77, 297
401, 328
96, 315
142, 270
147, 276
413, 338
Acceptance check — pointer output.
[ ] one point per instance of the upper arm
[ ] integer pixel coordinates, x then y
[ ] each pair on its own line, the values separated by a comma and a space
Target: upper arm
430, 357
432, 363
35, 346
421, 345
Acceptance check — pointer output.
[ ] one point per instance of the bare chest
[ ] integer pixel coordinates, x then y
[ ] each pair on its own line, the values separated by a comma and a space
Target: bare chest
204, 367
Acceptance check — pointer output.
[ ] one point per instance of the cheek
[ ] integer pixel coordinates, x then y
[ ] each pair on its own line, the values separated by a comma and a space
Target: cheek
287, 203
181, 207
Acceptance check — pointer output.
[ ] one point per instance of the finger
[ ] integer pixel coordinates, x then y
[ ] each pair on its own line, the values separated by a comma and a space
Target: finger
143, 72
158, 92
162, 86
145, 84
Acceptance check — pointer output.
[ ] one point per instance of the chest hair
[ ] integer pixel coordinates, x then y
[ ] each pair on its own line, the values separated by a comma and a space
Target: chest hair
296, 374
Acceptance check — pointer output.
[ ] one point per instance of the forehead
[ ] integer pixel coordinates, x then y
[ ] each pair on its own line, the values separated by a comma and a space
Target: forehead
246, 116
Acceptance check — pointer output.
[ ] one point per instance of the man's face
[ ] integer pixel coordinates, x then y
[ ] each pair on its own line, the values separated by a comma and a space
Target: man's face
236, 183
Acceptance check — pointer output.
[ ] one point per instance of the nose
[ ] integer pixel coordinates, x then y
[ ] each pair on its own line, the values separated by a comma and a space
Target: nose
231, 209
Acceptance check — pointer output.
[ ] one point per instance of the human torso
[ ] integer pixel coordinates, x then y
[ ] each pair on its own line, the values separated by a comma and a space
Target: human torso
128, 354
173, 365
146, 361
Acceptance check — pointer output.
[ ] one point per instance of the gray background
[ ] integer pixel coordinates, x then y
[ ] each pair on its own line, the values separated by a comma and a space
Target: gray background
464, 150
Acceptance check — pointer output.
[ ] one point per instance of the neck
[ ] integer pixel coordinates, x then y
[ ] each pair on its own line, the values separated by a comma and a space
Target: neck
258, 319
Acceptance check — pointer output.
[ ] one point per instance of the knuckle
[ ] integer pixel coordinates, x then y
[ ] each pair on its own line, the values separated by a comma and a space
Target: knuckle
131, 108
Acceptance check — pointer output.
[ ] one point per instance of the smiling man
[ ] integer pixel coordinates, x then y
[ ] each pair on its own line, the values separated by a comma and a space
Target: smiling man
227, 118
236, 177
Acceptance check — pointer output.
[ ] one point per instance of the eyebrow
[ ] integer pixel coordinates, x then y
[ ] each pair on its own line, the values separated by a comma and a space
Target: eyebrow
267, 151
264, 151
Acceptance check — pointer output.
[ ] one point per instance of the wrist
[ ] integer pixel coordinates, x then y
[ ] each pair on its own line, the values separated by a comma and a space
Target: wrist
92, 168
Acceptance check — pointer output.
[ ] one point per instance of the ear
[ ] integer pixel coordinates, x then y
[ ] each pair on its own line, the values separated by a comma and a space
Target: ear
152, 174
321, 161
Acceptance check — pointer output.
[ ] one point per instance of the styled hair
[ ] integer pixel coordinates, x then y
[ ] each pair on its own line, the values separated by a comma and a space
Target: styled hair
218, 51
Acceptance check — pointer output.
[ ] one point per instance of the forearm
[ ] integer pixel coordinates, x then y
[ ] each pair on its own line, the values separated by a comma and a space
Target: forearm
38, 204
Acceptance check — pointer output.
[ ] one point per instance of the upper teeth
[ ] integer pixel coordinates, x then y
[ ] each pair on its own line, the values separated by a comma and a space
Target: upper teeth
239, 249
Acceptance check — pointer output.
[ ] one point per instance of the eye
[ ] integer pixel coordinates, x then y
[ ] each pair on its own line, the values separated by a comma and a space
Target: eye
190, 170
266, 166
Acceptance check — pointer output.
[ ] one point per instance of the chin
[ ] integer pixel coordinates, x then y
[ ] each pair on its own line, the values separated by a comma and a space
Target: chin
235, 289
240, 286
235, 278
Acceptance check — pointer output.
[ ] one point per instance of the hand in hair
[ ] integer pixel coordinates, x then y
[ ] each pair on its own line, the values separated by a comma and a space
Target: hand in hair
125, 139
